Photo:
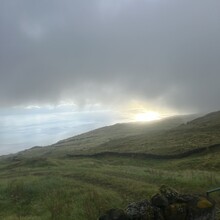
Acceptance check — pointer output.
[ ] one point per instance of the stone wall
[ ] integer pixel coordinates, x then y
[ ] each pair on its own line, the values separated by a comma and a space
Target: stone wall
168, 204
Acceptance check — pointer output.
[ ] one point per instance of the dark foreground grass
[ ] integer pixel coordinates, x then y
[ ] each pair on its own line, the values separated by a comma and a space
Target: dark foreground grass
83, 188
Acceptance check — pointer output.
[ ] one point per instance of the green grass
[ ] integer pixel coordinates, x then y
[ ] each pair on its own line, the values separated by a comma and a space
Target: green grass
169, 136
105, 137
84, 188
44, 183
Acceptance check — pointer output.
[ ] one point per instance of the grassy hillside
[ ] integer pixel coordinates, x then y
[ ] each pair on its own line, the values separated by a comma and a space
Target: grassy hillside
169, 136
46, 183
83, 188
93, 139
201, 132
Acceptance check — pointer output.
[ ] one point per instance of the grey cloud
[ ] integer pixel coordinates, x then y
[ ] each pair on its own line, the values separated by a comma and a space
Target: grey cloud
107, 51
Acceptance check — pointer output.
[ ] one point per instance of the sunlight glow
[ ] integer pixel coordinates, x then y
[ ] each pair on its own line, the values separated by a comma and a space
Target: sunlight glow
147, 116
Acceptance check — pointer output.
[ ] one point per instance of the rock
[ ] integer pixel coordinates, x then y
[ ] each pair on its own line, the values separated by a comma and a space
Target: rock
159, 200
169, 193
138, 209
201, 208
114, 214
166, 205
184, 207
143, 210
203, 203
176, 211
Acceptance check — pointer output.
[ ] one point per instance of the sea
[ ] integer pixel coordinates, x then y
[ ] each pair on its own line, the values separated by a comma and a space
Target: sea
23, 128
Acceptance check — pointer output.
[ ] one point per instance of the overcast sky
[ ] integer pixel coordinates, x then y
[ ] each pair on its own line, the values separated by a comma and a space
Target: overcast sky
164, 53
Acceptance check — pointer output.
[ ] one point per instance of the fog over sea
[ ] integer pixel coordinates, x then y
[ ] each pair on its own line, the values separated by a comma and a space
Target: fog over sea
23, 128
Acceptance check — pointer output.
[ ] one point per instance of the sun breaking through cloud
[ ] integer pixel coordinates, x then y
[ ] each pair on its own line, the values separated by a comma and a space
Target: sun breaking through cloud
110, 52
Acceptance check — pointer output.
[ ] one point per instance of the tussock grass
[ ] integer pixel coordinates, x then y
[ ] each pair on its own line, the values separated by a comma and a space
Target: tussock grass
83, 188
45, 184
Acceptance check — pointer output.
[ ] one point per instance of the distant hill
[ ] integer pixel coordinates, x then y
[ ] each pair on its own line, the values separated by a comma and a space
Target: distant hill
98, 137
200, 132
82, 176
171, 135
209, 120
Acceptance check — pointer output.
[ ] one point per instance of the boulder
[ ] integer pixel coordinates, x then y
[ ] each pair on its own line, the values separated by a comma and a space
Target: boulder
177, 206
159, 201
143, 210
201, 208
168, 204
169, 193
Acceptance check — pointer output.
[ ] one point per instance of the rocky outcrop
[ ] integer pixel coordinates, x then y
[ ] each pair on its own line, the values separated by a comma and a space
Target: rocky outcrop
168, 204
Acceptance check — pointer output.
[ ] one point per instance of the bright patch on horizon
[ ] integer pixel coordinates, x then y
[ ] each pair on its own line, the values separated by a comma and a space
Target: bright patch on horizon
147, 116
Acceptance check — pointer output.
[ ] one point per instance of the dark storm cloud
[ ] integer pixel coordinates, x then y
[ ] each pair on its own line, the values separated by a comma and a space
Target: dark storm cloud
161, 51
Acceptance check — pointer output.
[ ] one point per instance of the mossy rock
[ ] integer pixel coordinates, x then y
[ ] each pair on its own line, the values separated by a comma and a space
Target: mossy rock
167, 205
159, 201
176, 211
143, 210
204, 203
169, 193
201, 208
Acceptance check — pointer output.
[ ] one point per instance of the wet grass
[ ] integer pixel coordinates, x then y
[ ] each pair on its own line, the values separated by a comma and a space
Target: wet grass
83, 188
46, 184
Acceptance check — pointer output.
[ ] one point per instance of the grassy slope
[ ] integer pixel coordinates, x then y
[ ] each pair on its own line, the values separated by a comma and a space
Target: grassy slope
169, 136
83, 188
201, 132
33, 187
93, 139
